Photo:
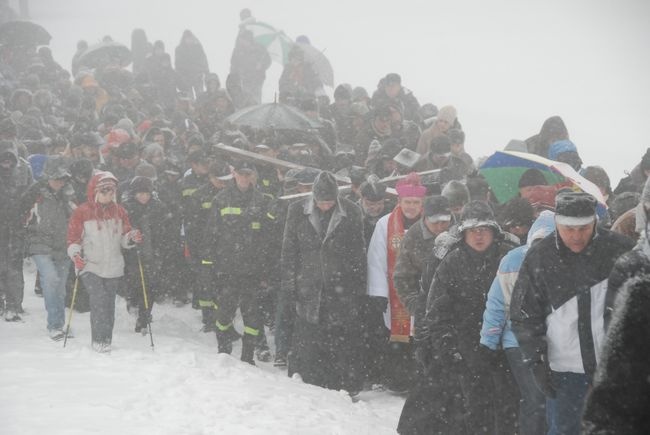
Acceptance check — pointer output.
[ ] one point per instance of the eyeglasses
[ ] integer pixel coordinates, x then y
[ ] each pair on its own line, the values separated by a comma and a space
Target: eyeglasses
105, 190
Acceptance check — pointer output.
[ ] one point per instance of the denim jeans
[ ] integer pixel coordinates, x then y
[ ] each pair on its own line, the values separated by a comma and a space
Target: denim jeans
102, 293
532, 405
571, 390
53, 274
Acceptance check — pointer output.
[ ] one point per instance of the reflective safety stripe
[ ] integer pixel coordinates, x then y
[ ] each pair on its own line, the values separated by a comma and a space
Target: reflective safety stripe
251, 331
256, 225
223, 327
266, 183
206, 262
230, 210
206, 205
270, 216
189, 192
205, 304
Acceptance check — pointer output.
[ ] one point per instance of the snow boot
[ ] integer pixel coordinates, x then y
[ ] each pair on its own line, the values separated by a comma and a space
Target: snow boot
224, 342
12, 316
280, 361
248, 349
101, 347
56, 334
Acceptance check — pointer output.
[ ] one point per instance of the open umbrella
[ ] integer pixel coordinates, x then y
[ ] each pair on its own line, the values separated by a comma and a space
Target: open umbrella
274, 116
503, 169
23, 33
106, 53
320, 62
277, 44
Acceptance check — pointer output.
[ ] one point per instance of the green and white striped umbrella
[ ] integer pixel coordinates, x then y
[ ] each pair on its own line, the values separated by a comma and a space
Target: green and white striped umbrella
275, 41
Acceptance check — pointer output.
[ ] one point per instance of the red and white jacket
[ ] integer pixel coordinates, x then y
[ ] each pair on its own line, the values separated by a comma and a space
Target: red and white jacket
98, 233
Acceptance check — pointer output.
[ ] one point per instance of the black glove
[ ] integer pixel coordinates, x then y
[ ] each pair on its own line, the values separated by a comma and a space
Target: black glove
378, 304
542, 374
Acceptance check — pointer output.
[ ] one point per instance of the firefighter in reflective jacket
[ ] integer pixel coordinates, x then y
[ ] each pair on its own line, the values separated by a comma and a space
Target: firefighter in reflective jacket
235, 246
197, 212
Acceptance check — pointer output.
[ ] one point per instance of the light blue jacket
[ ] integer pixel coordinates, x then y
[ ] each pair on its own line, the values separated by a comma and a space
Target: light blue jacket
496, 327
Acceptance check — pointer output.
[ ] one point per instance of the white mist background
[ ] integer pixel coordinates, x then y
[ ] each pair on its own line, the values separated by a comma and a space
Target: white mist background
506, 65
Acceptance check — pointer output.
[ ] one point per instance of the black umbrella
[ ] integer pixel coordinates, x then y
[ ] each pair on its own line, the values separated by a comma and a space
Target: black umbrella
106, 53
273, 116
23, 33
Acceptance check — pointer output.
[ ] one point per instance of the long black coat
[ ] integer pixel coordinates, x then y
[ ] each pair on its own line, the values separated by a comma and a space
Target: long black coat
323, 273
620, 398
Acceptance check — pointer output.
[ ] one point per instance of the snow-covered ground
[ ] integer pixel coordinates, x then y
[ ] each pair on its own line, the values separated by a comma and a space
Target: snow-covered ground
181, 387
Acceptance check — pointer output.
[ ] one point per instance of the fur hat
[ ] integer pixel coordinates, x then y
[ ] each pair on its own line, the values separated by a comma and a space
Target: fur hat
574, 208
477, 214
325, 187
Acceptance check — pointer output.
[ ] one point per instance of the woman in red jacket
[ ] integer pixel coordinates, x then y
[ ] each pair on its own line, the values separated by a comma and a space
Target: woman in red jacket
97, 232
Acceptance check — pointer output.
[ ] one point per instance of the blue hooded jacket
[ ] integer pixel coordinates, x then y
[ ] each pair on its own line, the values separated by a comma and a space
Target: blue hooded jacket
496, 327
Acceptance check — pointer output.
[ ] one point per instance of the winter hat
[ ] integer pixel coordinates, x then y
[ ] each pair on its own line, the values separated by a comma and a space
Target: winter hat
105, 179
221, 170
343, 92
151, 150
477, 214
359, 94
244, 166
645, 161
141, 185
411, 187
622, 203
436, 208
517, 212
357, 174
197, 156
440, 145
127, 125
574, 208
126, 150
456, 193
392, 78
448, 113
372, 189
599, 177
307, 176
532, 177
55, 168
325, 187
560, 147
114, 139
146, 169
456, 136
82, 169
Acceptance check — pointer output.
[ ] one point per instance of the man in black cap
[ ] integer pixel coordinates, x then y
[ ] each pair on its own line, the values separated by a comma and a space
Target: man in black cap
373, 205
235, 252
196, 215
190, 183
558, 304
324, 273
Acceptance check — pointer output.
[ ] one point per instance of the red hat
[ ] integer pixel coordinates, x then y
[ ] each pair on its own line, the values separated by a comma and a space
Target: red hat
411, 187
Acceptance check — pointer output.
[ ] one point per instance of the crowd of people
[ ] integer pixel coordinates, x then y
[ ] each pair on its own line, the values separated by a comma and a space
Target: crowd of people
374, 251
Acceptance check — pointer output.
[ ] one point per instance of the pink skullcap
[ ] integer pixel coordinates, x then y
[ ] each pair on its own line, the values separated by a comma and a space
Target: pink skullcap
411, 187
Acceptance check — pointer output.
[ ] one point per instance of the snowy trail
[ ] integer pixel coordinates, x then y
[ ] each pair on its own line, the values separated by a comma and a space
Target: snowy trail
183, 387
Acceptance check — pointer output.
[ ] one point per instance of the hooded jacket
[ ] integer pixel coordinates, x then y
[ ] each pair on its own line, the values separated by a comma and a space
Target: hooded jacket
558, 302
99, 232
496, 329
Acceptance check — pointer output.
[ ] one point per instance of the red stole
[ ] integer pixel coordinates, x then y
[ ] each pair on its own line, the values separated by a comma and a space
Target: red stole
400, 319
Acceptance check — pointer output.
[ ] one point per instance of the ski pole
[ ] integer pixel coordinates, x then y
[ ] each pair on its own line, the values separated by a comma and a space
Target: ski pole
144, 293
74, 296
